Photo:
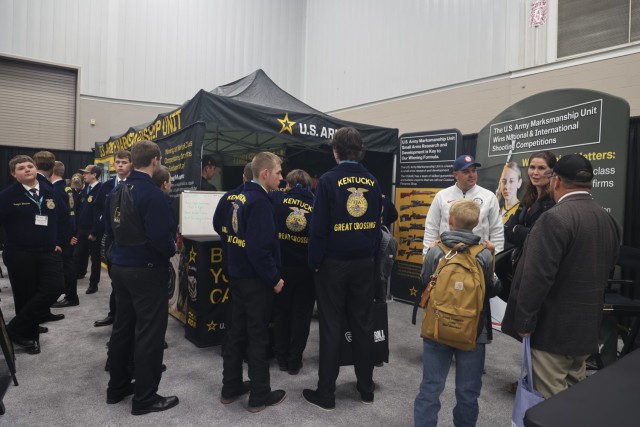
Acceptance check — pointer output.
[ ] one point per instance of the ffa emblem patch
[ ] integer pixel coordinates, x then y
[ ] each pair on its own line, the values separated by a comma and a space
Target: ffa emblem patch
356, 203
296, 221
234, 218
116, 215
89, 199
51, 204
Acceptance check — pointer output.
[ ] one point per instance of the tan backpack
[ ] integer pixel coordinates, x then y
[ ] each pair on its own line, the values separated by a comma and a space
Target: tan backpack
455, 298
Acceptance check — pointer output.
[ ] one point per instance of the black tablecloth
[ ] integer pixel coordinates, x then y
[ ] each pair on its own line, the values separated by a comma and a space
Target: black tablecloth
610, 397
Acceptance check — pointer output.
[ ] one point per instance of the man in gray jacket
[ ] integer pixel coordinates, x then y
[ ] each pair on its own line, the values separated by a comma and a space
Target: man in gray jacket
558, 286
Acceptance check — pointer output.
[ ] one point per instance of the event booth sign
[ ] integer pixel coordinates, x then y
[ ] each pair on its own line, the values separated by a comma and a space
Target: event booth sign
565, 121
423, 167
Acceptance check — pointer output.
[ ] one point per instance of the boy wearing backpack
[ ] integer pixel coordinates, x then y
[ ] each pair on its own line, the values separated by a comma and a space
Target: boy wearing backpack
465, 278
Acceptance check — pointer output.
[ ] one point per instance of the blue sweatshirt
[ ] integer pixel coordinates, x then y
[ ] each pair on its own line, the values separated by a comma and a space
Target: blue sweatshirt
293, 215
18, 212
252, 239
346, 215
158, 222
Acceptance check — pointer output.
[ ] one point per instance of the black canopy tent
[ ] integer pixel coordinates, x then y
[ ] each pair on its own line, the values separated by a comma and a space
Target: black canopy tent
237, 120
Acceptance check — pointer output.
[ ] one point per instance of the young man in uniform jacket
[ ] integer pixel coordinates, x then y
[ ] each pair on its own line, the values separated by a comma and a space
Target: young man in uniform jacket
33, 218
68, 266
222, 213
294, 305
45, 162
122, 165
87, 243
343, 237
254, 269
140, 272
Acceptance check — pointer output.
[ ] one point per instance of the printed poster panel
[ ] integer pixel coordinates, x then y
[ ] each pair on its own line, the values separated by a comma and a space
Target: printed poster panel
567, 121
423, 168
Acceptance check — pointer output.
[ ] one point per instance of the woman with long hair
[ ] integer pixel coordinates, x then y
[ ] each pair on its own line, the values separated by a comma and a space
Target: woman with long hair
535, 200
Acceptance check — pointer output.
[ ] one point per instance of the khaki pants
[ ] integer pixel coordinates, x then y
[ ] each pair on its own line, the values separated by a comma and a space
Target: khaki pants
554, 373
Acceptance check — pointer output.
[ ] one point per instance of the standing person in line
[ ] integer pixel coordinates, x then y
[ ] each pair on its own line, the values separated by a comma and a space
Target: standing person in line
70, 277
254, 269
45, 162
122, 165
294, 305
87, 244
490, 228
536, 200
140, 268
558, 285
221, 215
463, 218
343, 237
32, 217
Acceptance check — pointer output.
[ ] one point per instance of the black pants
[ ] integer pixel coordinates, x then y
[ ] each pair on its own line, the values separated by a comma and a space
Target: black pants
345, 287
139, 327
70, 274
36, 281
86, 248
292, 314
252, 302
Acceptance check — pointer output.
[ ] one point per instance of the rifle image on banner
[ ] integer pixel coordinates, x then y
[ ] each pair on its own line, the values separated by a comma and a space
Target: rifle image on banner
412, 226
504, 170
411, 239
414, 204
412, 215
412, 192
409, 253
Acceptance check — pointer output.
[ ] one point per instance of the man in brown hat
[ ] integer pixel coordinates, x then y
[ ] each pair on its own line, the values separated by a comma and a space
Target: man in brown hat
556, 294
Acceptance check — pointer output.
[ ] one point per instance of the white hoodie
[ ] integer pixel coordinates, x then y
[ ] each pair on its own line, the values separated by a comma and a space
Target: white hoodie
489, 228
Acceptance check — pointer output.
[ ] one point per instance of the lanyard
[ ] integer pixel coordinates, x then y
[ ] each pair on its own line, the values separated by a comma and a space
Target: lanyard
37, 202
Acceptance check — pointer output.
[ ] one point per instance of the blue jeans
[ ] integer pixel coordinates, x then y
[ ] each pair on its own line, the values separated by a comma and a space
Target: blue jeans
436, 363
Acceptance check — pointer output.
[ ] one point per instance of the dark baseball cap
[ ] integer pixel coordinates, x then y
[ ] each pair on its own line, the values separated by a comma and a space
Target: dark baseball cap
208, 161
464, 162
573, 167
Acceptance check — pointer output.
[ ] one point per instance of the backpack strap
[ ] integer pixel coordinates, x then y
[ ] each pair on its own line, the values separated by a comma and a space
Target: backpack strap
422, 299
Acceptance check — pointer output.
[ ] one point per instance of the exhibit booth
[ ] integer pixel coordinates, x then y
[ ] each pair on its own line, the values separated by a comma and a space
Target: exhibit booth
232, 123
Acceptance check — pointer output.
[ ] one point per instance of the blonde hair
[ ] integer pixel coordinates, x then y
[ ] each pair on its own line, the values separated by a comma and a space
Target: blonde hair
465, 214
262, 161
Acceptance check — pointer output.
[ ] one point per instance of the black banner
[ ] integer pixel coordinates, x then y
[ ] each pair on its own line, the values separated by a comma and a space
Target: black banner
423, 168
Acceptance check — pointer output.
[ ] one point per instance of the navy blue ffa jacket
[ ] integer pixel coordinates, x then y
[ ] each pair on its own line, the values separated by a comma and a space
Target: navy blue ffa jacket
18, 211
43, 181
221, 214
346, 215
66, 196
87, 214
252, 239
100, 205
150, 203
293, 215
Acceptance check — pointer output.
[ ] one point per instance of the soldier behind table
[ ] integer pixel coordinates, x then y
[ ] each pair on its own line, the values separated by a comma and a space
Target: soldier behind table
254, 269
31, 215
294, 305
343, 237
